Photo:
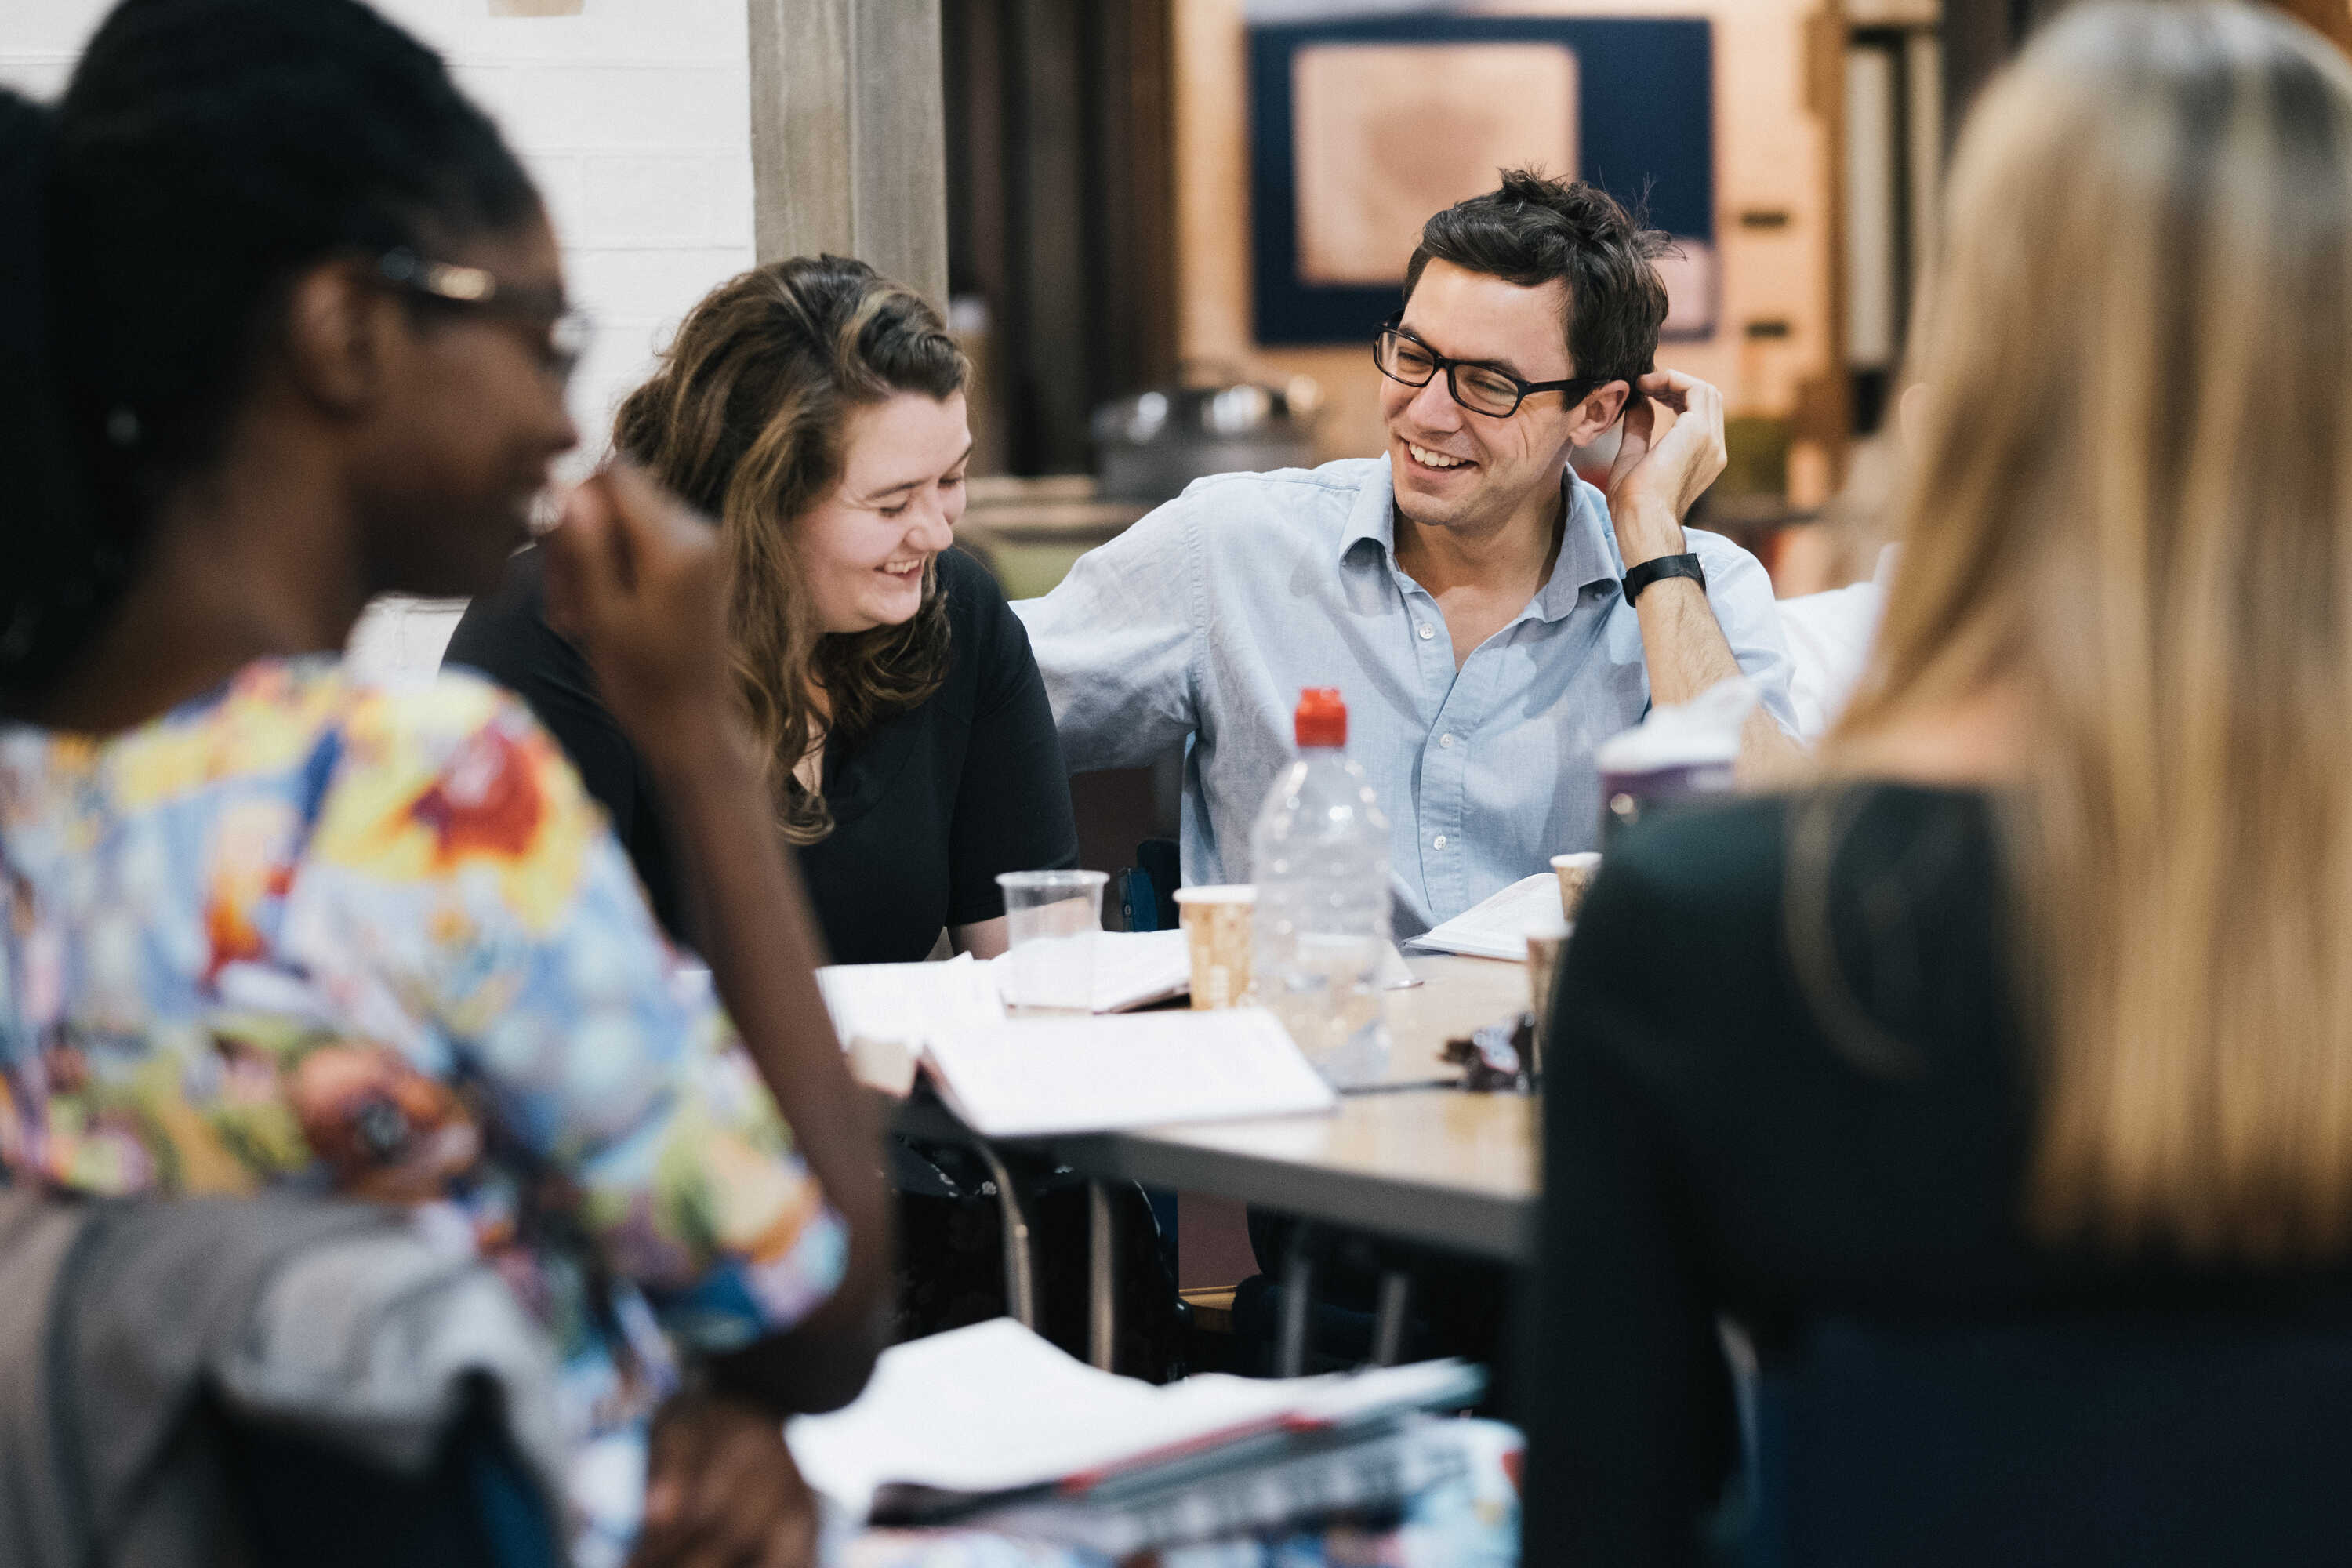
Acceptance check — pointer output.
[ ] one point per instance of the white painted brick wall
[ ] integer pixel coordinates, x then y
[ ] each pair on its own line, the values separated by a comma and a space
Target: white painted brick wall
634, 119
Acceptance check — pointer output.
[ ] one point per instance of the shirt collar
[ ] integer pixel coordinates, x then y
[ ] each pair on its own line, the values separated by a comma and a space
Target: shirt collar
1373, 516
1587, 546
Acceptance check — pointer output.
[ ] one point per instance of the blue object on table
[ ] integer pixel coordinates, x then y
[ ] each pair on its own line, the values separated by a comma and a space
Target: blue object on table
1138, 899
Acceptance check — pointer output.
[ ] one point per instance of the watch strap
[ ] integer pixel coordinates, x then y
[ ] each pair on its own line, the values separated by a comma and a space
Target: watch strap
1640, 577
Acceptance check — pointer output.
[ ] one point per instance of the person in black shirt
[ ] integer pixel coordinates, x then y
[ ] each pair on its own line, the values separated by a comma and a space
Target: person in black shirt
2041, 1006
817, 412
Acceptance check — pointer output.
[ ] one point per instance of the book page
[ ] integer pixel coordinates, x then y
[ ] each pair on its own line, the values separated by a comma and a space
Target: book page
993, 1406
1498, 927
1131, 968
1038, 1076
907, 1003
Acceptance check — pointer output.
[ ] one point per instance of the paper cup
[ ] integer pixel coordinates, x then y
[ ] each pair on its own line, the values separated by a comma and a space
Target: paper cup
1216, 924
1575, 873
1545, 945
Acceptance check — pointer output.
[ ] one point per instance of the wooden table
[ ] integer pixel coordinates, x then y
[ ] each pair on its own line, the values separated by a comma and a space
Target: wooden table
1411, 1157
1426, 1163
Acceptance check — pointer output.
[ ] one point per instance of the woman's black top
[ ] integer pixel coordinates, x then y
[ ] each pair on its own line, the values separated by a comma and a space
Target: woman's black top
1712, 1147
928, 806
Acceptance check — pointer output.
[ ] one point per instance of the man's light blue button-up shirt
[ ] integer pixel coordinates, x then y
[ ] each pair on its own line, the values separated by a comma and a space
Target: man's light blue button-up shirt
1207, 617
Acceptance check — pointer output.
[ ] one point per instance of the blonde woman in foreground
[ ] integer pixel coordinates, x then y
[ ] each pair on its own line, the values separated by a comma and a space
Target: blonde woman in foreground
2043, 1001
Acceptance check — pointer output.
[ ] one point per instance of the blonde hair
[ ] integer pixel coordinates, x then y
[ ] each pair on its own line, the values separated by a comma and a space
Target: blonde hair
746, 418
2130, 492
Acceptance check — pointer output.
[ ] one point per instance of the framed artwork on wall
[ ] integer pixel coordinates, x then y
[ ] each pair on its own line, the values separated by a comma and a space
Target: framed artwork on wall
1360, 128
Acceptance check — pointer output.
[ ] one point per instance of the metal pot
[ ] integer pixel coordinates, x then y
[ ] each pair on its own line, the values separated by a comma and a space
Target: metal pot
1149, 446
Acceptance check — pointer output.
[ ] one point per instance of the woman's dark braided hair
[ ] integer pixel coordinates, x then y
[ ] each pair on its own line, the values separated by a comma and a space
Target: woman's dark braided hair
204, 153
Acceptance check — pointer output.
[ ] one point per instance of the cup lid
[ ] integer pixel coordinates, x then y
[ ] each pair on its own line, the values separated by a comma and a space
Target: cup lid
1219, 893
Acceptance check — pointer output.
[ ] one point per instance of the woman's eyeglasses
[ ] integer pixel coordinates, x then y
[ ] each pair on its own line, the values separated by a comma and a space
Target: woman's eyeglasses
559, 333
1480, 388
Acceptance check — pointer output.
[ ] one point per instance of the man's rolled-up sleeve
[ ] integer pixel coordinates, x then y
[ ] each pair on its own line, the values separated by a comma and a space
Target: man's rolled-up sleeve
1739, 591
1118, 643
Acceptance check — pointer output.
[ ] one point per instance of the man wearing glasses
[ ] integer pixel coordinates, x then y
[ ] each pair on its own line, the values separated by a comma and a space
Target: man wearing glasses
1488, 617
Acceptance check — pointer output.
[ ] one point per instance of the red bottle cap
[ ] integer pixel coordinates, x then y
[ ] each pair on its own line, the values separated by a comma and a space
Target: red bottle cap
1322, 717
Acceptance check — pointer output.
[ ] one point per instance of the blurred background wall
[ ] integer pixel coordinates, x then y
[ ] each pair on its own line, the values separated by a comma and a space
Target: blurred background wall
634, 118
1076, 178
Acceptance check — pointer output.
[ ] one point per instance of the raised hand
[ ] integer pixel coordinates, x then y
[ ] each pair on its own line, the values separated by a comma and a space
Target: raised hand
638, 581
1671, 449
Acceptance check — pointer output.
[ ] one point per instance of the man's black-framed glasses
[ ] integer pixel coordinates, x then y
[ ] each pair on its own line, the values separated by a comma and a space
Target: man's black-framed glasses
1480, 388
567, 329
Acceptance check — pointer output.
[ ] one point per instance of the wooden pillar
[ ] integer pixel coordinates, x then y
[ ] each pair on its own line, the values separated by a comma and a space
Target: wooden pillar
849, 134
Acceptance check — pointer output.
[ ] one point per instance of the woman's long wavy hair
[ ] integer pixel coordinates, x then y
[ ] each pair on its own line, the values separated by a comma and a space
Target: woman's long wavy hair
2130, 489
746, 418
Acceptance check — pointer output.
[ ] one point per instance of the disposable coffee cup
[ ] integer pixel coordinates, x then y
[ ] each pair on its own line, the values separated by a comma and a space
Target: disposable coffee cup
1545, 946
1575, 873
1679, 751
1216, 921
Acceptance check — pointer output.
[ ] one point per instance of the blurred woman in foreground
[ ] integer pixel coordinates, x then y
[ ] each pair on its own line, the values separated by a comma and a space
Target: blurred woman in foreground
2045, 999
271, 925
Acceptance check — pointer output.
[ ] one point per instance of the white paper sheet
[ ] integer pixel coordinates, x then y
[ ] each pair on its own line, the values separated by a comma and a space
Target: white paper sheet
992, 1407
1031, 1077
907, 1003
1498, 926
1132, 969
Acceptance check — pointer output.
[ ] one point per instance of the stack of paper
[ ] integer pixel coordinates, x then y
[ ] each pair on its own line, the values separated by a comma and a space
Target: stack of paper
992, 1425
1034, 1077
1498, 927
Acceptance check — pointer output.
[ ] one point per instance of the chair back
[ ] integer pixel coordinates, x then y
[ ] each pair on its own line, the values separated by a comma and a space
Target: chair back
2084, 1442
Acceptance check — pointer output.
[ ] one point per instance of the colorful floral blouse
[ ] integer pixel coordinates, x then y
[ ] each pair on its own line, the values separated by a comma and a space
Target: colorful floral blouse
376, 940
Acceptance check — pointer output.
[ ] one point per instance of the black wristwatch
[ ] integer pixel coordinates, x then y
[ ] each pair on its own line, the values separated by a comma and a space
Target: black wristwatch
1640, 577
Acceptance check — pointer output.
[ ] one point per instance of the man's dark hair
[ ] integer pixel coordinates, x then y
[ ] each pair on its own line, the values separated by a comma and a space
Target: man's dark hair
1535, 229
204, 153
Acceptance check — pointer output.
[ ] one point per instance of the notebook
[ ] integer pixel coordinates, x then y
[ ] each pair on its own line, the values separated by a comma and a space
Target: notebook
1033, 1077
1498, 927
990, 1414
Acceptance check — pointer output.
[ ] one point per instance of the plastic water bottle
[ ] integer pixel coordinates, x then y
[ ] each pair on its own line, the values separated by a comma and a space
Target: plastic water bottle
1319, 855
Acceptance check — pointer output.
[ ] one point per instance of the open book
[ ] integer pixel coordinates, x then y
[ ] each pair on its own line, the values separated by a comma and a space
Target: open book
1132, 969
991, 1417
1136, 968
1498, 927
1033, 1077
886, 1012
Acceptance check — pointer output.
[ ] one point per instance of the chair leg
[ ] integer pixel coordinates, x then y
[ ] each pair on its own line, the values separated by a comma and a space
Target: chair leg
1102, 1280
1020, 1280
1388, 1329
1297, 1284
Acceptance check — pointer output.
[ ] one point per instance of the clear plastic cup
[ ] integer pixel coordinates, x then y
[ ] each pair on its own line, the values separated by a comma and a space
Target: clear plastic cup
1051, 920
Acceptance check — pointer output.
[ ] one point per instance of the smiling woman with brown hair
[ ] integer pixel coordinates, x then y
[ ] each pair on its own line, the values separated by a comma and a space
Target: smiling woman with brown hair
815, 410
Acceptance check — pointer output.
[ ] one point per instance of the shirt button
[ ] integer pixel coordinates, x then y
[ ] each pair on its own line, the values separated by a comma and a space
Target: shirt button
1427, 631
1445, 742
1439, 842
